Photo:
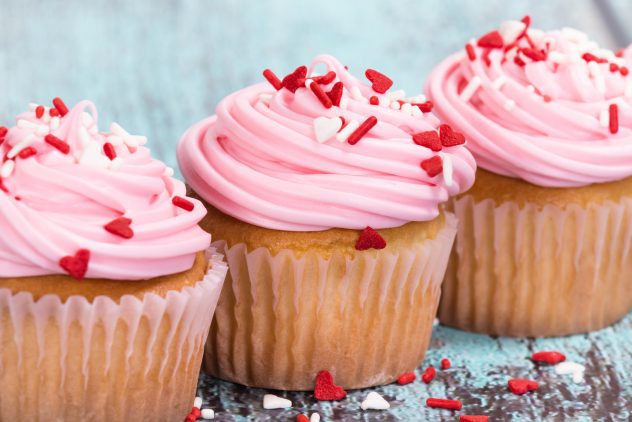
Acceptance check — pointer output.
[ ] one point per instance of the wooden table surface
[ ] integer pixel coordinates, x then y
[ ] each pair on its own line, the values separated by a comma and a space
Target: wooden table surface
158, 66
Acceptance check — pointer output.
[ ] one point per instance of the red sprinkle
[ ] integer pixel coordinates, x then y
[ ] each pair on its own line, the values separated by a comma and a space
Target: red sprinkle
190, 418
335, 94
302, 418
374, 100
109, 151
425, 107
521, 386
3, 187
533, 54
620, 52
471, 54
381, 82
273, 79
120, 227
321, 95
486, 59
27, 152
76, 266
473, 418
183, 203
60, 106
449, 137
362, 130
406, 378
325, 389
53, 112
370, 239
443, 404
3, 131
428, 374
39, 111
551, 358
614, 67
196, 412
491, 40
613, 124
57, 143
325, 79
592, 58
445, 363
432, 166
624, 71
296, 79
519, 61
429, 139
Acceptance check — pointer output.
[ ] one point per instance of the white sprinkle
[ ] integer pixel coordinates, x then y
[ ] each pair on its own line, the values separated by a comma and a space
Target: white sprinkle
417, 99
117, 163
374, 401
536, 35
384, 101
7, 169
355, 92
622, 104
435, 322
208, 414
499, 82
314, 418
395, 105
347, 130
396, 95
595, 71
84, 136
408, 109
116, 129
265, 98
471, 88
115, 140
326, 127
557, 57
197, 402
578, 377
86, 119
511, 54
417, 112
270, 401
19, 147
604, 118
531, 89
628, 89
573, 35
168, 171
509, 105
25, 124
54, 123
567, 367
510, 30
549, 41
344, 103
447, 170
46, 117
42, 130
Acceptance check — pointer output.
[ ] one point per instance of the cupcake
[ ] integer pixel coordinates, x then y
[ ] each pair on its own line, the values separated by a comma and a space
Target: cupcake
107, 283
544, 248
325, 193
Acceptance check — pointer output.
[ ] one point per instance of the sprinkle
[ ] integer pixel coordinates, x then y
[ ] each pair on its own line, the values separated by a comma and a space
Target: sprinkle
53, 112
3, 131
491, 40
356, 94
335, 94
60, 106
509, 105
370, 239
54, 123
326, 79
498, 83
265, 98
208, 414
551, 358
471, 88
270, 401
449, 137
628, 89
396, 95
25, 124
395, 105
325, 127
374, 401
534, 54
76, 265
347, 130
566, 367
429, 139
557, 57
432, 166
595, 71
296, 79
445, 363
3, 187
325, 389
381, 83
428, 374
613, 123
407, 108
425, 107
39, 111
196, 412
27, 152
519, 61
624, 71
511, 30
7, 169
416, 112
273, 79
471, 54
320, 94
121, 227
302, 418
183, 203
13, 152
374, 100
362, 130
109, 151
443, 404
314, 418
591, 58
485, 57
614, 67
132, 141
522, 386
406, 378
57, 143
473, 418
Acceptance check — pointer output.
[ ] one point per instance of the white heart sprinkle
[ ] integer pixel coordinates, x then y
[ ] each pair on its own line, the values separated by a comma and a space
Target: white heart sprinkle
325, 127
270, 401
375, 401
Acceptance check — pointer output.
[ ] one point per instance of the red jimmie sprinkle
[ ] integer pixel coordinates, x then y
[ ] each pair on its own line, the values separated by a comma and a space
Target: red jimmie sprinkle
302, 418
381, 83
429, 139
406, 378
183, 203
27, 152
120, 227
3, 131
432, 166
196, 412
57, 143
624, 71
613, 123
521, 386
370, 239
325, 79
443, 404
428, 374
362, 130
273, 79
551, 358
325, 389
60, 106
445, 363
592, 58
614, 67
519, 61
471, 54
335, 95
473, 418
491, 40
39, 111
534, 54
76, 265
53, 112
321, 95
374, 100
425, 107
109, 151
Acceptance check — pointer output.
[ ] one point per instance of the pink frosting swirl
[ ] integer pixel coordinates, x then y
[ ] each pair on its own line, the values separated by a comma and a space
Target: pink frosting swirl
258, 160
57, 196
540, 108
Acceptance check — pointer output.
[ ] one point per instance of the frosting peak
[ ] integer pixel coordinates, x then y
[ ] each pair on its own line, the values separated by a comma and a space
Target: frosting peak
89, 204
311, 152
552, 108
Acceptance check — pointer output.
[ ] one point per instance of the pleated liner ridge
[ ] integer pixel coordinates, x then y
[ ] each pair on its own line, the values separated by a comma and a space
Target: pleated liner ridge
538, 271
367, 318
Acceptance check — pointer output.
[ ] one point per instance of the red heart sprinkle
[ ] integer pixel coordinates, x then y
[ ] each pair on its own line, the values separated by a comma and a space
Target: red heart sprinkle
296, 79
521, 386
335, 94
425, 107
77, 265
491, 40
551, 358
473, 418
433, 165
370, 239
325, 79
406, 378
381, 82
429, 139
326, 390
449, 137
120, 227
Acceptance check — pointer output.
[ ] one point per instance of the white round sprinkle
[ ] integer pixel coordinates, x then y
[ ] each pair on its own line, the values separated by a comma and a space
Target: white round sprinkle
374, 401
197, 402
270, 401
407, 108
208, 414
7, 169
384, 101
168, 171
416, 112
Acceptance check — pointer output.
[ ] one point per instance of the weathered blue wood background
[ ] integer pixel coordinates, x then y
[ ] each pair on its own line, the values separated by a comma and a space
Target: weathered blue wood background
157, 66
